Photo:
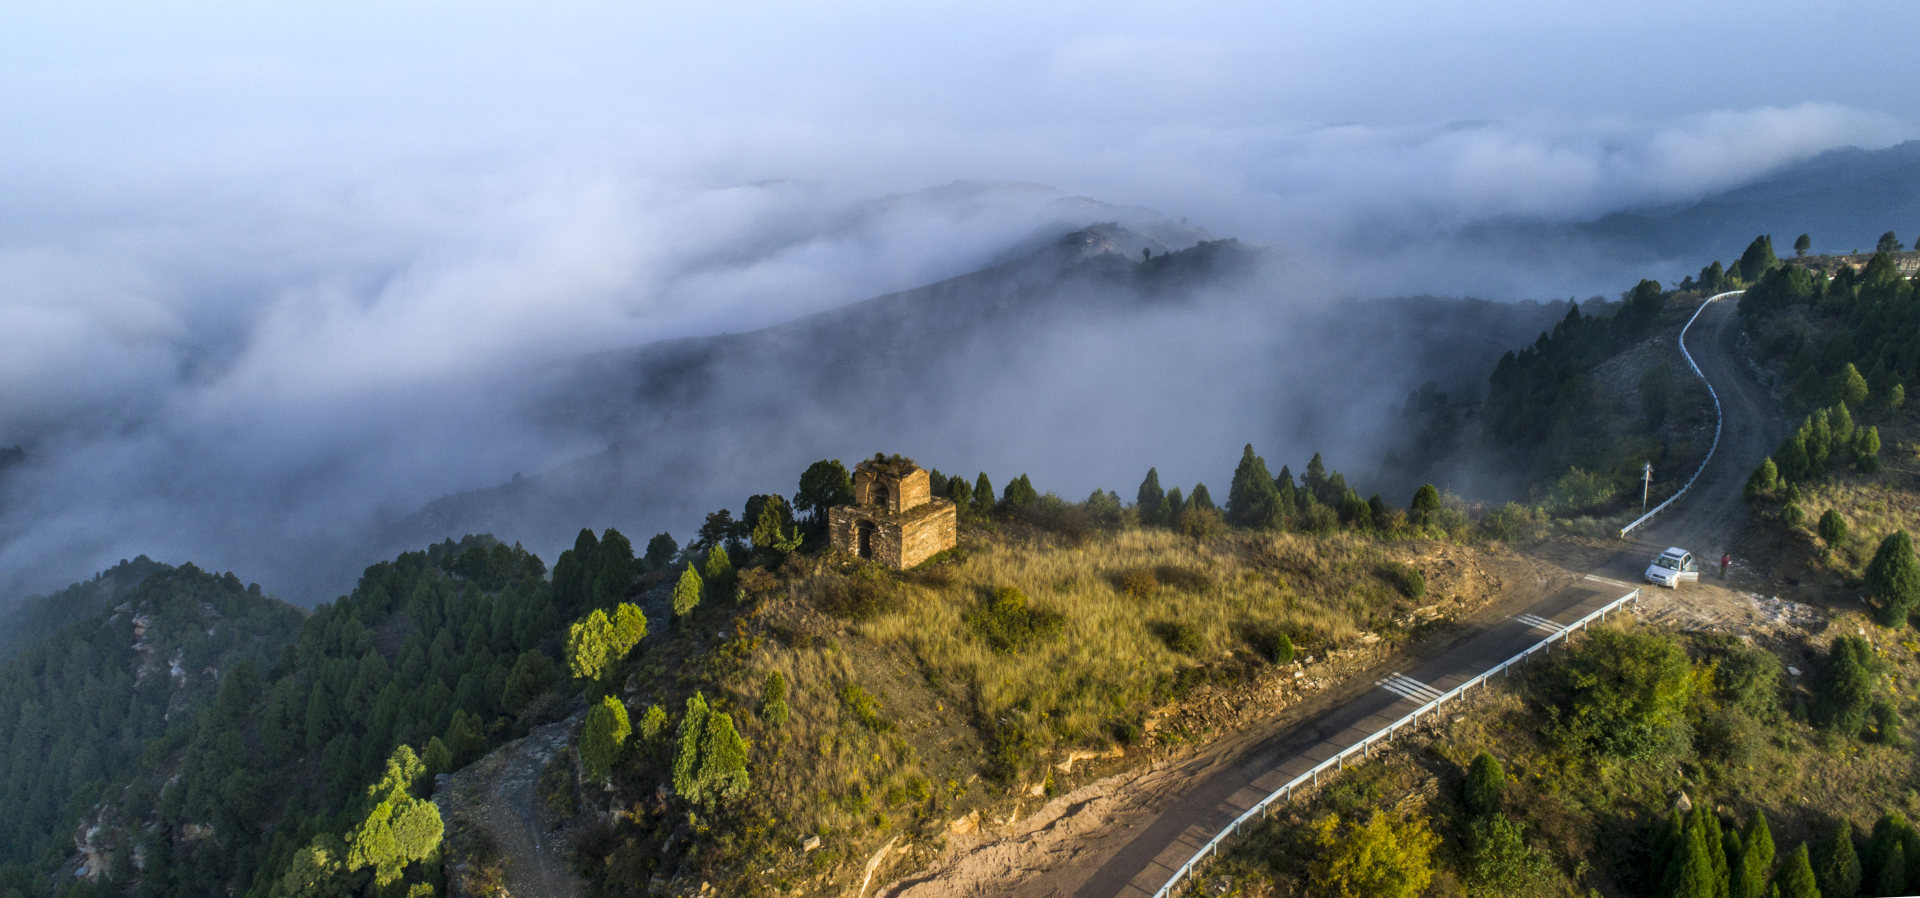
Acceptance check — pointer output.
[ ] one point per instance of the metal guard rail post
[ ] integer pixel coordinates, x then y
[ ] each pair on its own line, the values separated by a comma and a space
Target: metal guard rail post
1718, 418
1312, 777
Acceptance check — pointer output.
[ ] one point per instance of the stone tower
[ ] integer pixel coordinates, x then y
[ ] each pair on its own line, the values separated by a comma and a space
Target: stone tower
894, 518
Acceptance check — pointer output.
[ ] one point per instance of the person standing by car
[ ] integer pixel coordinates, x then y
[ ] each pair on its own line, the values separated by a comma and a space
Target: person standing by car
1726, 561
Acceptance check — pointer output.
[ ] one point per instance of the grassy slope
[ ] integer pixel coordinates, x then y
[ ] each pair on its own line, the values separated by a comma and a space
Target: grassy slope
961, 727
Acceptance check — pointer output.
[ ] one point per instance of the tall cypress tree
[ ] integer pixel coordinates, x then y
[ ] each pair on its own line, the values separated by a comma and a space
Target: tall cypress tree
1838, 872
1755, 862
1795, 879
983, 496
1893, 578
1251, 501
1151, 500
1201, 500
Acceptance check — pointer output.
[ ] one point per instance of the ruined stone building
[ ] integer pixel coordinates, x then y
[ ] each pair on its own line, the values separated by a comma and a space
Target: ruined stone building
894, 518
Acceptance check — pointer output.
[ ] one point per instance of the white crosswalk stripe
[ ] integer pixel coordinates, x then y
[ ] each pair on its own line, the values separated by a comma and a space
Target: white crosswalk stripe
1409, 687
1609, 581
1539, 623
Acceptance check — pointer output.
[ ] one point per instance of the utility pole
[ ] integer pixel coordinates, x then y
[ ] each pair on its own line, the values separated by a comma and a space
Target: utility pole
1646, 485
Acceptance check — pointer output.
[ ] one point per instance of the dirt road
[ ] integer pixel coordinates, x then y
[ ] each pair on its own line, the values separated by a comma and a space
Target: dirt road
499, 795
1126, 836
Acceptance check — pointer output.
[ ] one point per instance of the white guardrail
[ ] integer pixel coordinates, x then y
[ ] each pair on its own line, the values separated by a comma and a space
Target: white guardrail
1718, 418
1311, 779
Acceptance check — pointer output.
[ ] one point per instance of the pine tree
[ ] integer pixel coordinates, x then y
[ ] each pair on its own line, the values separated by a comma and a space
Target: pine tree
1151, 500
686, 756
1018, 494
1486, 779
1176, 505
1795, 879
1801, 245
723, 761
1692, 874
773, 699
717, 573
687, 593
602, 735
1755, 862
1201, 500
823, 485
1833, 527
1850, 386
1252, 500
1764, 480
1893, 578
1891, 878
660, 550
1757, 259
1846, 686
982, 496
1889, 243
589, 642
1839, 872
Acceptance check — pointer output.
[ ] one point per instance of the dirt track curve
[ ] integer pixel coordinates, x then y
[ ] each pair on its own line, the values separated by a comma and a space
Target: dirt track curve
1129, 846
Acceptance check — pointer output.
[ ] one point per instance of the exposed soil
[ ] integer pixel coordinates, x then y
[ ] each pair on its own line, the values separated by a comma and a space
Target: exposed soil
497, 825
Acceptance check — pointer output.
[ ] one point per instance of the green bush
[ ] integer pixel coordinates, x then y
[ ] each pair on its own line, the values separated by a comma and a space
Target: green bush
1486, 779
1833, 527
1893, 578
1179, 636
1500, 860
1009, 622
773, 699
1621, 695
1406, 578
863, 595
865, 708
1282, 652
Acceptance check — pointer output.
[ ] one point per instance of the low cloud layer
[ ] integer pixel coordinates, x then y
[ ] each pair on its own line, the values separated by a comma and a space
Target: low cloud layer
274, 277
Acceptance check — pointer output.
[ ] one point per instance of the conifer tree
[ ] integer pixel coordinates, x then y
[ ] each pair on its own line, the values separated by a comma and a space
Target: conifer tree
1795, 879
1757, 259
982, 496
686, 756
1692, 874
398, 829
1251, 501
687, 593
1201, 500
1833, 527
1889, 243
717, 573
961, 493
1764, 479
602, 735
823, 485
1846, 686
1019, 493
723, 761
660, 550
1176, 504
1801, 245
773, 699
1151, 500
1838, 872
1754, 865
1850, 387
1486, 779
1893, 578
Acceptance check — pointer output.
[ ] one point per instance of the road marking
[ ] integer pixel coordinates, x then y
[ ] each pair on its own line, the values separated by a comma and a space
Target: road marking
1400, 684
1599, 579
1538, 623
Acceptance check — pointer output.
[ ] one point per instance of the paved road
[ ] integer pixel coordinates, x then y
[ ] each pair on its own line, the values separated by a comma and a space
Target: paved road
1142, 860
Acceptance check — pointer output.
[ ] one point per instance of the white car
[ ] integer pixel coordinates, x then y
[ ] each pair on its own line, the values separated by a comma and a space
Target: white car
1673, 566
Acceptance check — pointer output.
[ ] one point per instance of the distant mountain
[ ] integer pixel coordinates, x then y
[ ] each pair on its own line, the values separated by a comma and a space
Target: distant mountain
1081, 363
1844, 199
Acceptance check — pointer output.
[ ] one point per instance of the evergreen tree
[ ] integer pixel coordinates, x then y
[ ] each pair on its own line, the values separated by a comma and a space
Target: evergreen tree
1757, 259
1692, 873
1833, 527
962, 495
723, 761
1176, 505
1764, 480
773, 527
1426, 501
1889, 243
1151, 500
1252, 500
1891, 878
718, 574
397, 829
823, 485
686, 756
1019, 493
1315, 480
982, 497
1839, 872
687, 593
1846, 686
1486, 779
1885, 868
613, 568
1795, 879
1893, 578
660, 550
1754, 865
1801, 245
773, 699
589, 642
1201, 500
1866, 449
602, 735
1850, 387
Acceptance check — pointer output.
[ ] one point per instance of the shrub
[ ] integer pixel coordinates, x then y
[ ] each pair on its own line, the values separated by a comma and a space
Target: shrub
1179, 636
652, 724
1282, 652
1833, 528
1486, 779
1515, 523
1893, 578
1406, 578
1845, 693
1792, 515
601, 737
687, 592
1621, 695
1009, 623
1199, 523
1500, 859
1136, 583
864, 707
1383, 858
864, 595
773, 699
